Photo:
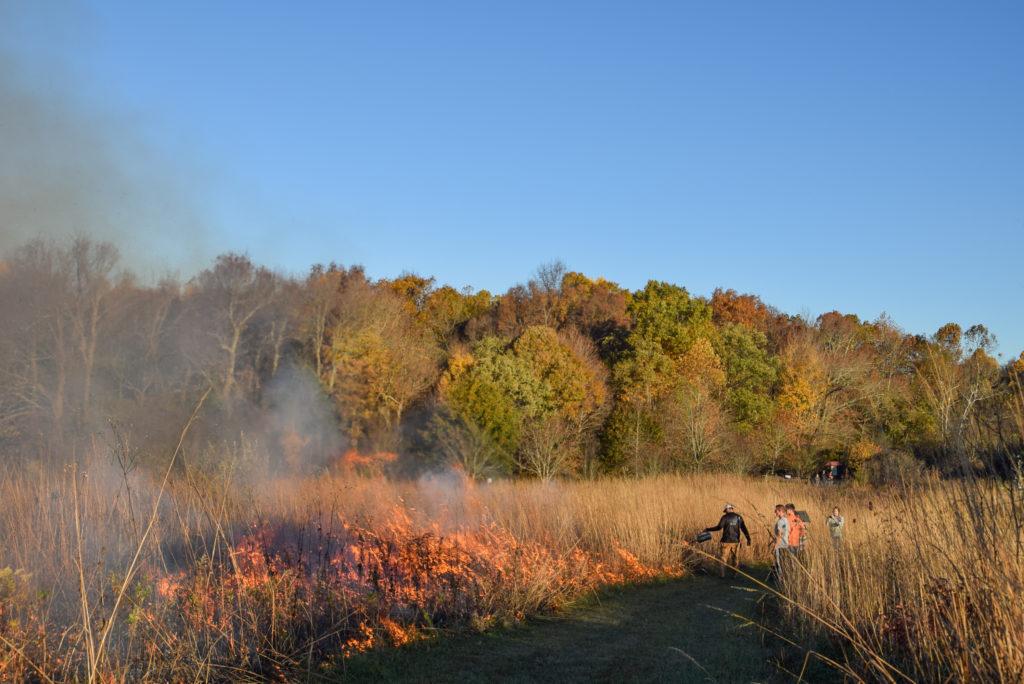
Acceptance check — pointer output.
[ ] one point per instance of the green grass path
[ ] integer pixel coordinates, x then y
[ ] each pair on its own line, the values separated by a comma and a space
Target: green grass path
671, 632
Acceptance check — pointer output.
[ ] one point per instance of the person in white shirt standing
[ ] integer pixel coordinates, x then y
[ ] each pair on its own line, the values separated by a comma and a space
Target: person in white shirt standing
781, 538
836, 523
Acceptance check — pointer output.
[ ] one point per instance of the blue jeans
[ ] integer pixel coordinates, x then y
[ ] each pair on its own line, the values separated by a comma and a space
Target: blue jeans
780, 553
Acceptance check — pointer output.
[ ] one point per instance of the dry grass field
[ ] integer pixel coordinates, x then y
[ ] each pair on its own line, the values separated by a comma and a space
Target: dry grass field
106, 577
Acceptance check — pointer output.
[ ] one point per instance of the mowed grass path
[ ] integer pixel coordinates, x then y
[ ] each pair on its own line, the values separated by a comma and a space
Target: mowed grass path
678, 631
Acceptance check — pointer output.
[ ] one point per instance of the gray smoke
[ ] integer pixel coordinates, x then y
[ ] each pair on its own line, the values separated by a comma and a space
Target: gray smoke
66, 169
298, 424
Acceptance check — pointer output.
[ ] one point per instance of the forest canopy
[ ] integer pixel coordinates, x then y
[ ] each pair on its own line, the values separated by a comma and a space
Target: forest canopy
566, 375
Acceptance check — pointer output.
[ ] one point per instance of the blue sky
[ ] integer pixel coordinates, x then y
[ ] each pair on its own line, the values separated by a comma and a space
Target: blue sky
865, 156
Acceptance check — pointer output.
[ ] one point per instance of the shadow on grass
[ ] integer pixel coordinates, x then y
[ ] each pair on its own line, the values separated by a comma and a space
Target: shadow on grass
677, 631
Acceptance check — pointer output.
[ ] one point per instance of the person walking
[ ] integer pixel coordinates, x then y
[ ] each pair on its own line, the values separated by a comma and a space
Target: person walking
835, 523
731, 524
781, 538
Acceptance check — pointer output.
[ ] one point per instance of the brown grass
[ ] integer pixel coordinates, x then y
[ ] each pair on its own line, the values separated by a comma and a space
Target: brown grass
928, 585
272, 579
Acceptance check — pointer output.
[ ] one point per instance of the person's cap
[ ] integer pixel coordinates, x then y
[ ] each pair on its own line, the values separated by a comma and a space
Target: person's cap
728, 506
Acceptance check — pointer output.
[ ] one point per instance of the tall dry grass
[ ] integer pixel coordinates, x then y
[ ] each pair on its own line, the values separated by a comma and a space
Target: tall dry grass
928, 585
241, 578
282, 578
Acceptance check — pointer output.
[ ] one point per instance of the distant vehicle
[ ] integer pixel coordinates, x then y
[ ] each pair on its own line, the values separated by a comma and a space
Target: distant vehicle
831, 472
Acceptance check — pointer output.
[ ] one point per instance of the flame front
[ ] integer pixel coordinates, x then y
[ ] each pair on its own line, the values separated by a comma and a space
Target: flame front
390, 583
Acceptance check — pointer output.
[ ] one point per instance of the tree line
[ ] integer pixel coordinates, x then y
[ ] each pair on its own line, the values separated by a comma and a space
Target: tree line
565, 375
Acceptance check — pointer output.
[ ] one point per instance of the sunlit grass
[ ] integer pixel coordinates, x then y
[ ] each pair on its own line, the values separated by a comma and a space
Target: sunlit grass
242, 579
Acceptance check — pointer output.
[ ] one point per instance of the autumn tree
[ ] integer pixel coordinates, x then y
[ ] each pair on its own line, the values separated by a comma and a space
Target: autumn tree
563, 375
464, 444
633, 430
598, 308
37, 351
666, 322
91, 265
955, 376
445, 311
318, 311
225, 300
148, 362
506, 389
494, 391
273, 328
751, 374
695, 420
549, 448
381, 360
57, 304
546, 298
667, 317
537, 302
741, 309
829, 387
413, 290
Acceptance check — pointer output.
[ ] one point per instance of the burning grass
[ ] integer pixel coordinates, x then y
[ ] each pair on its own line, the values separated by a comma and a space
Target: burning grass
291, 577
241, 582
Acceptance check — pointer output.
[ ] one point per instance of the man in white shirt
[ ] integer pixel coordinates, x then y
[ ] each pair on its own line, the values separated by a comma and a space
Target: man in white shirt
781, 537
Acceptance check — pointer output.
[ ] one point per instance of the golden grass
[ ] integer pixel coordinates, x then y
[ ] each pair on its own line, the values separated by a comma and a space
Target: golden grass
928, 585
262, 580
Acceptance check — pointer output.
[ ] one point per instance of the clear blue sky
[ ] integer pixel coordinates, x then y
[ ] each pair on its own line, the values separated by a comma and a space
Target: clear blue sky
860, 156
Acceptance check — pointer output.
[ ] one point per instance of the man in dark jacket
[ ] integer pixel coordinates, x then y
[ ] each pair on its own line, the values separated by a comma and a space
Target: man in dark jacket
731, 526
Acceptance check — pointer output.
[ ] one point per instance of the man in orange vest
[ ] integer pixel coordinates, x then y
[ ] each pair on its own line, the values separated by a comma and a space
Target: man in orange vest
797, 530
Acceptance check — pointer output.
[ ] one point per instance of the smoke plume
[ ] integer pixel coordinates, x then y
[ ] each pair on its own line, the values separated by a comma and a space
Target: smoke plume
67, 169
